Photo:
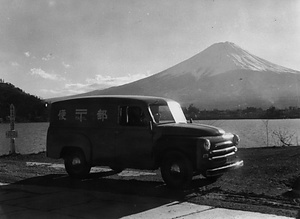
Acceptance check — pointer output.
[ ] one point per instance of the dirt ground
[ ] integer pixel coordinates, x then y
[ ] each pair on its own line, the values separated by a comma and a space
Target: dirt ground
268, 182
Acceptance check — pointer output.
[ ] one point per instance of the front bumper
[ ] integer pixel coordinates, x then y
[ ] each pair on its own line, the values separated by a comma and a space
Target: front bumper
220, 170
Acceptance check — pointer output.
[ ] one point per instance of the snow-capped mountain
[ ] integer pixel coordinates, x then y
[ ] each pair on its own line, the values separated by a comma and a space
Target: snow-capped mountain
223, 76
221, 58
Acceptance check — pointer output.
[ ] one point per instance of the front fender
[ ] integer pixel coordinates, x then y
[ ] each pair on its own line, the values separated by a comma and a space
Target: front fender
185, 145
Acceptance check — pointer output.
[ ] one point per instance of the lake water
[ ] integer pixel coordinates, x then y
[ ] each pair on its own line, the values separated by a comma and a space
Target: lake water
253, 133
31, 138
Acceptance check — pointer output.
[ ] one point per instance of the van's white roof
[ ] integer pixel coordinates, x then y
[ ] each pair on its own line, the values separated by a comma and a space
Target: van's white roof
148, 99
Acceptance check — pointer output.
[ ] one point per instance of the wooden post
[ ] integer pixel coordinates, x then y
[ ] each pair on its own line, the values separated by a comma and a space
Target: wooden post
12, 133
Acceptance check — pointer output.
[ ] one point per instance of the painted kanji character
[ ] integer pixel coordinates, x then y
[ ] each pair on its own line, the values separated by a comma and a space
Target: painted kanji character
80, 113
102, 115
62, 114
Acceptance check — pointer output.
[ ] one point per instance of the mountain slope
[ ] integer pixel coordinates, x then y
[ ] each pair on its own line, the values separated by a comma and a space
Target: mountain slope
223, 76
29, 108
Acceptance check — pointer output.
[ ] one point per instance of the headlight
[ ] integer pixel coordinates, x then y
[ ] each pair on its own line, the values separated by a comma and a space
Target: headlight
203, 143
236, 140
206, 144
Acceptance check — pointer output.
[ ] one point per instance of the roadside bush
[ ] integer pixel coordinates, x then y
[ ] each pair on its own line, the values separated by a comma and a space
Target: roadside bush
283, 137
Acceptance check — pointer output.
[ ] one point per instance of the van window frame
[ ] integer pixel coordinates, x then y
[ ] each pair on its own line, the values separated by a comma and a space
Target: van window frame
125, 120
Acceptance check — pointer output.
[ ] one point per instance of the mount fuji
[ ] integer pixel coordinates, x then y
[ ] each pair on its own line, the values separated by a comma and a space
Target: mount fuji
223, 76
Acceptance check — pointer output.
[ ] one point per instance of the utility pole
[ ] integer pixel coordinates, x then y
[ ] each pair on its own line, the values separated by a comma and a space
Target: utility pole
12, 133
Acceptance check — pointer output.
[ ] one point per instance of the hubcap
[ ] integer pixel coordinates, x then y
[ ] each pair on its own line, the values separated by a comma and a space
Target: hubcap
175, 168
76, 161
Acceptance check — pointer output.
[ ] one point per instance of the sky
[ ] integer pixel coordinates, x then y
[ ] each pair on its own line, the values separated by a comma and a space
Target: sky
53, 48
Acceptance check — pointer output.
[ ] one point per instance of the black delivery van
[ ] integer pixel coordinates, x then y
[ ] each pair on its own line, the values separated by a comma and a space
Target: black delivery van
138, 132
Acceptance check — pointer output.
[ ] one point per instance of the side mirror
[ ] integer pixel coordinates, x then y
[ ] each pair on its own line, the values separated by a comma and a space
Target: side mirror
191, 120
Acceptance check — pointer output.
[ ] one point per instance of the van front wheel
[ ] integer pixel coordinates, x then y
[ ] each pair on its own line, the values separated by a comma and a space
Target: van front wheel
76, 164
176, 170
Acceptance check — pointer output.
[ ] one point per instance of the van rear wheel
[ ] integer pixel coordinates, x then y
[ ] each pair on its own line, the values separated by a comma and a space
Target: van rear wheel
76, 164
176, 170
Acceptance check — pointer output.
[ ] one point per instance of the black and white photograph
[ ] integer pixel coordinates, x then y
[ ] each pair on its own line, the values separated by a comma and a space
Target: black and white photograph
164, 109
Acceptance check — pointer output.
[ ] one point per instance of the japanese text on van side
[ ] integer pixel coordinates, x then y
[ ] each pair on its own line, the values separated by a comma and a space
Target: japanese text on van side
62, 115
80, 114
102, 115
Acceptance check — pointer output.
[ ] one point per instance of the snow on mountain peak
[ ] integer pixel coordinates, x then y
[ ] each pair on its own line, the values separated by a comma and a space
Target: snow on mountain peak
245, 60
223, 57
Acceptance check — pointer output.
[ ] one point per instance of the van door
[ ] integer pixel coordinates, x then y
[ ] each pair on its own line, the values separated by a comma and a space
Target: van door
102, 132
134, 140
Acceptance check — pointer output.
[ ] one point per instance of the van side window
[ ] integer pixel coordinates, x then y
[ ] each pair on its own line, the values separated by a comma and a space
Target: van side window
131, 116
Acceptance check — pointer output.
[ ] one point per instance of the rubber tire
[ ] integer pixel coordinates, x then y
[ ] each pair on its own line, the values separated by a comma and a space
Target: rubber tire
76, 164
183, 176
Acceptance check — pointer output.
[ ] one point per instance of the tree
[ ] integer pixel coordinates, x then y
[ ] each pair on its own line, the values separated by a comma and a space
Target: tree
192, 111
272, 112
29, 108
266, 124
283, 137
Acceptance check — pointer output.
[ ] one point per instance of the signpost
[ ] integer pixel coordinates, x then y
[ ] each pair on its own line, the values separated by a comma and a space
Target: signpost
12, 133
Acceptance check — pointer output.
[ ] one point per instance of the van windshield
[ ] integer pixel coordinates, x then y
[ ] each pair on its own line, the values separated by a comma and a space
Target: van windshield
169, 113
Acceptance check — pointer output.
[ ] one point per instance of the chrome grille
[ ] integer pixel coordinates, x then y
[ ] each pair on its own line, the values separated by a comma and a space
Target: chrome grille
222, 150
